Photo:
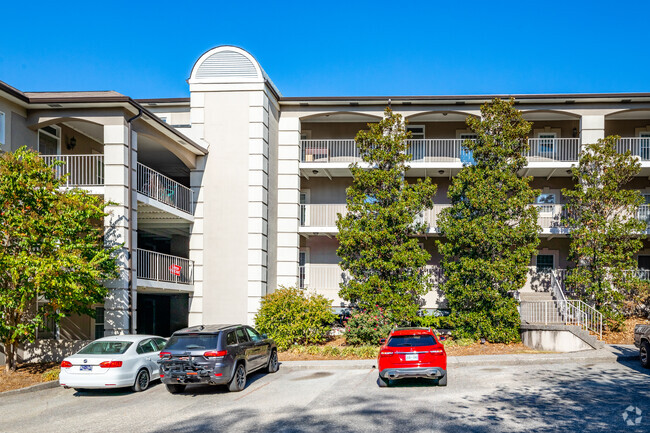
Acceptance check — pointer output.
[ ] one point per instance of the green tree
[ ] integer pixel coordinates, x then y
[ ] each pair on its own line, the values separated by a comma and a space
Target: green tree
52, 255
376, 243
491, 229
601, 216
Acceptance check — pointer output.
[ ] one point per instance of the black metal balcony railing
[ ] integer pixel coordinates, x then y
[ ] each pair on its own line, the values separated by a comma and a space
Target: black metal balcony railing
163, 189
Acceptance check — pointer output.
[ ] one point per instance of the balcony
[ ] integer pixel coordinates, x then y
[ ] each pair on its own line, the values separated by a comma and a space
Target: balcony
321, 218
439, 151
86, 171
164, 190
163, 270
638, 146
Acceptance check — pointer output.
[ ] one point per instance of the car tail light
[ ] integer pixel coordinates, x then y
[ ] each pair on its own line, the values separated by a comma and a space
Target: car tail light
162, 375
436, 351
165, 355
217, 354
386, 353
66, 364
110, 364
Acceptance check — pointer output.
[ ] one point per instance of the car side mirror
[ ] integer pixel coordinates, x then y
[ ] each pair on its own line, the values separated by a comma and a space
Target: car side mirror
442, 337
382, 341
264, 336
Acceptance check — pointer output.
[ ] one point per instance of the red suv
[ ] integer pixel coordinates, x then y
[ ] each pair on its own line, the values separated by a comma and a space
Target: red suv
412, 352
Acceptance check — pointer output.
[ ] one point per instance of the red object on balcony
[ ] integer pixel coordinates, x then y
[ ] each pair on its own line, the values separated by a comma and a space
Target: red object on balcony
175, 270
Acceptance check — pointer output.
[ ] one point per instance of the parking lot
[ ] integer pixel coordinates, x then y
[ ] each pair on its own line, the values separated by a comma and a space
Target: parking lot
568, 397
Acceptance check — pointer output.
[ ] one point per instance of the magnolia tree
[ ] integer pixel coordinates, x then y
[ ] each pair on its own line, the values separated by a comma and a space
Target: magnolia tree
52, 255
376, 237
491, 230
602, 218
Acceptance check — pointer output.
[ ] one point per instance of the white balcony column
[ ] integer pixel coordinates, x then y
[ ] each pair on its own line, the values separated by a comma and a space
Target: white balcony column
288, 244
196, 242
592, 128
258, 201
116, 225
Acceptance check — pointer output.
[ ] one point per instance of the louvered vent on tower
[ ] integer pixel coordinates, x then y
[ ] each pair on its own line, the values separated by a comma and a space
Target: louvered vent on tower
226, 64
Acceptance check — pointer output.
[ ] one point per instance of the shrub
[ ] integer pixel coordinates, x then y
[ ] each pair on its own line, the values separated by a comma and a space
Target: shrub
434, 320
292, 316
365, 327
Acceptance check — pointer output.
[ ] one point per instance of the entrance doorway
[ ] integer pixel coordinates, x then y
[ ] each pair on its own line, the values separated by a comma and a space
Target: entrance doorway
162, 314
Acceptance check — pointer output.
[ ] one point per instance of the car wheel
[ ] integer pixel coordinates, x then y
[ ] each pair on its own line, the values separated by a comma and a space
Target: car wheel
443, 380
175, 389
79, 389
141, 381
274, 365
238, 381
644, 354
383, 383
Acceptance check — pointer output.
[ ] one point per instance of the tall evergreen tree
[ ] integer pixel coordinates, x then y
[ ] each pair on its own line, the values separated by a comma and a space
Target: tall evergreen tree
602, 218
376, 236
490, 232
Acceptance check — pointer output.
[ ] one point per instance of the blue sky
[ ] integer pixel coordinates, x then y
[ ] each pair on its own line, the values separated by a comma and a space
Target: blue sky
333, 48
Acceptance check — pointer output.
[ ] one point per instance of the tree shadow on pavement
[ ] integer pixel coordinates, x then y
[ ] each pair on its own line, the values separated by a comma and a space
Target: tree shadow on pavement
583, 399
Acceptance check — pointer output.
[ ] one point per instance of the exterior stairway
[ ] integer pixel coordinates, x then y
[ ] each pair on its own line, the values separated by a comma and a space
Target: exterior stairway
540, 306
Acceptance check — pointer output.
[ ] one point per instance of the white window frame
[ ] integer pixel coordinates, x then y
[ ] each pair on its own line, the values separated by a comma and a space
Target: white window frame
545, 254
549, 135
95, 323
57, 137
424, 135
306, 193
304, 251
3, 127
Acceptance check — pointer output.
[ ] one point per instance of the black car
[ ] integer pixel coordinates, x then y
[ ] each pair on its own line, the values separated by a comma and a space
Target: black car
215, 354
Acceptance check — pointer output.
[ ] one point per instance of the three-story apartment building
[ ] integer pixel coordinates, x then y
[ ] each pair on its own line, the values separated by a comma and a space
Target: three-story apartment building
240, 186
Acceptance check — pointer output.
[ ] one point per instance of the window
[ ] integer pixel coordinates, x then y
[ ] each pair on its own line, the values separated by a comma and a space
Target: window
160, 343
466, 156
106, 348
231, 339
545, 262
546, 143
164, 119
2, 128
192, 342
146, 346
417, 131
241, 336
644, 146
99, 322
546, 198
253, 335
49, 140
411, 341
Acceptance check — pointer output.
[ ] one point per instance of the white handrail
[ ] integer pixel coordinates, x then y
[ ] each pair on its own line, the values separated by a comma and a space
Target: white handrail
567, 312
82, 170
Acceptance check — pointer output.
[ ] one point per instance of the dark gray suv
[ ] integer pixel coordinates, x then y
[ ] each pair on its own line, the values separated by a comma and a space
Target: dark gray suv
215, 354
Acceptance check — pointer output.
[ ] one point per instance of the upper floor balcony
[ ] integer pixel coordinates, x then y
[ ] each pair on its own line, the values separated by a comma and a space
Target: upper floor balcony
164, 271
321, 218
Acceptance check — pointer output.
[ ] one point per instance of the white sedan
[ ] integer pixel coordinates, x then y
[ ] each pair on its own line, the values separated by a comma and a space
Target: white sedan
114, 362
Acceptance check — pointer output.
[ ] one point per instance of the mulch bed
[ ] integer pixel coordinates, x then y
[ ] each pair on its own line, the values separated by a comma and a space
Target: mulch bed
626, 335
25, 375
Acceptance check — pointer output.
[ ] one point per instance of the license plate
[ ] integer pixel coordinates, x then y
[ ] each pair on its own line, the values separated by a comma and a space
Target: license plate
411, 357
85, 368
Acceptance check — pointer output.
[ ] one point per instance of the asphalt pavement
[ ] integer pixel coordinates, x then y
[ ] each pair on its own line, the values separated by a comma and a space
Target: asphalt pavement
573, 396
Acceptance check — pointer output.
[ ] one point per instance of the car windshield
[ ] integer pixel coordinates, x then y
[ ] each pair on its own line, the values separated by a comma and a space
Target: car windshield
192, 342
411, 340
106, 348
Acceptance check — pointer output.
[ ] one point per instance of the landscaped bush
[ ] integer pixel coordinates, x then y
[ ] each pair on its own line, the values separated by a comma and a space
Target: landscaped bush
290, 315
434, 320
365, 327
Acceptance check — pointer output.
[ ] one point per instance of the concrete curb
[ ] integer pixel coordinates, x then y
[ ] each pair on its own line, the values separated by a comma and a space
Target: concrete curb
605, 355
33, 388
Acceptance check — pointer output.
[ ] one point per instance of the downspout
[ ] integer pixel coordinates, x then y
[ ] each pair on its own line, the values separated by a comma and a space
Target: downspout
132, 288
